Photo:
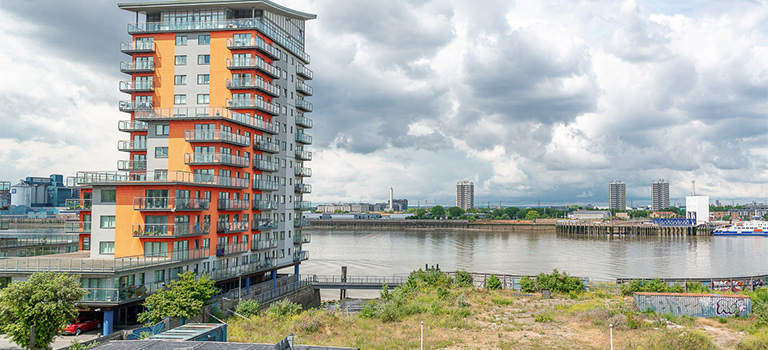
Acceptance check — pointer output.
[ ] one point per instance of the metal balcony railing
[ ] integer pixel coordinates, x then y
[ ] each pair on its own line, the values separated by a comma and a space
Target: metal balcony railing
257, 63
304, 138
264, 244
137, 47
170, 204
253, 103
203, 158
303, 105
303, 155
301, 256
205, 113
304, 72
232, 226
301, 205
132, 106
132, 145
302, 238
266, 146
264, 205
264, 224
304, 172
303, 88
137, 66
257, 43
234, 204
137, 86
264, 185
222, 250
76, 226
253, 84
78, 204
301, 120
160, 176
264, 165
302, 188
131, 165
100, 266
239, 270
132, 125
217, 136
171, 230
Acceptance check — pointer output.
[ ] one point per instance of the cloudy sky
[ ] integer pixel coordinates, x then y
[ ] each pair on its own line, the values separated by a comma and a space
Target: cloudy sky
531, 100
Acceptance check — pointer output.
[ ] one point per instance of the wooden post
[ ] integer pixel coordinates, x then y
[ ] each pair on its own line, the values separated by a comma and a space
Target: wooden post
343, 291
32, 337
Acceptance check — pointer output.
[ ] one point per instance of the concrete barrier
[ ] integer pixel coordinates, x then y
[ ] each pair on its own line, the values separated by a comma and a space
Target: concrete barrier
695, 305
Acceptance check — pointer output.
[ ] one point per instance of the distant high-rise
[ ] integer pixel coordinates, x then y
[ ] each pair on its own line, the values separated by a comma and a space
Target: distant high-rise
465, 195
617, 193
659, 194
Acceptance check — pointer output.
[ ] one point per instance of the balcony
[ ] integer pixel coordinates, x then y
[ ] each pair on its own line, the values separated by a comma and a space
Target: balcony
302, 238
216, 158
137, 47
137, 86
206, 113
132, 125
137, 67
303, 155
265, 146
253, 84
84, 178
255, 43
257, 63
264, 245
223, 227
304, 72
234, 204
301, 171
171, 230
301, 205
76, 226
240, 270
303, 188
217, 136
222, 250
303, 88
264, 205
265, 185
264, 165
303, 138
301, 256
170, 204
301, 120
298, 223
131, 165
253, 104
303, 105
132, 106
264, 224
132, 146
78, 204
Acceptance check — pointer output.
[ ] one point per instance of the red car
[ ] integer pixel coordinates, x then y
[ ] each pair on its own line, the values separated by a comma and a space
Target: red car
82, 324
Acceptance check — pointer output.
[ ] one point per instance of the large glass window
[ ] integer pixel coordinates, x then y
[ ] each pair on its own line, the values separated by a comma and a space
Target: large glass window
162, 129
155, 249
86, 243
108, 196
107, 221
161, 152
106, 247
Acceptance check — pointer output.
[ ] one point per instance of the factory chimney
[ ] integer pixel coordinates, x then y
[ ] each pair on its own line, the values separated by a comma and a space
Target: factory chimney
391, 196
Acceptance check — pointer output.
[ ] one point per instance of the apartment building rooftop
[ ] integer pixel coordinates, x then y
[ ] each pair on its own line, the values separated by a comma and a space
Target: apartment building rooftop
157, 6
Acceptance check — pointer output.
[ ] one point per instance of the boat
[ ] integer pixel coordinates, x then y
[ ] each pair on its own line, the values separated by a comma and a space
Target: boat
746, 228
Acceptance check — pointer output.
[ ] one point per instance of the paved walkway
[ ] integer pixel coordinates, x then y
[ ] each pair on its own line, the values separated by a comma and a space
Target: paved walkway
59, 342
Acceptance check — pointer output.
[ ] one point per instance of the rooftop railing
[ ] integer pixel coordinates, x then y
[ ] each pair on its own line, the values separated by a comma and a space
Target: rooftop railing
234, 204
265, 146
257, 43
132, 145
301, 120
170, 204
88, 265
171, 230
301, 171
217, 136
254, 63
264, 205
78, 204
38, 240
131, 165
108, 178
303, 88
303, 71
137, 47
252, 103
303, 155
132, 125
200, 158
264, 244
303, 105
264, 185
137, 66
232, 226
243, 84
77, 226
304, 138
264, 165
137, 86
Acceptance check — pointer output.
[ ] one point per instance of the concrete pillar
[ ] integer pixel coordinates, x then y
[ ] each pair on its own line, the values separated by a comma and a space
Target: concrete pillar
274, 279
296, 272
108, 323
247, 285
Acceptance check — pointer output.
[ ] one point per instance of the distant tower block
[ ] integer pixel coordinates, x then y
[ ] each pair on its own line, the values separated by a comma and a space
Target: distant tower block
391, 199
659, 195
617, 195
465, 195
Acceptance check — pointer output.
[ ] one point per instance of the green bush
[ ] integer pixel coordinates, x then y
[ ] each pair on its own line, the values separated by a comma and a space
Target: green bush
653, 286
697, 287
463, 278
760, 305
527, 285
543, 317
283, 308
559, 282
248, 308
493, 282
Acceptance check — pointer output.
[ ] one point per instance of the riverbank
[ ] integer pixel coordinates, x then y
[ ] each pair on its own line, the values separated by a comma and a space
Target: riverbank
542, 225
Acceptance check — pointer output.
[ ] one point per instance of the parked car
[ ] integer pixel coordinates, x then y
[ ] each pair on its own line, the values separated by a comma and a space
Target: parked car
80, 325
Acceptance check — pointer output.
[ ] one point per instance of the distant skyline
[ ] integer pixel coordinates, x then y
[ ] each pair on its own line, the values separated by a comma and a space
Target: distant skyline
530, 100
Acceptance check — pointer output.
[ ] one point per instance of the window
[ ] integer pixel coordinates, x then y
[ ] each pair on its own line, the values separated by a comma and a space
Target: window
162, 130
108, 196
206, 243
179, 99
180, 80
159, 275
203, 39
181, 60
155, 249
106, 247
161, 152
202, 99
203, 59
86, 243
181, 40
107, 221
203, 79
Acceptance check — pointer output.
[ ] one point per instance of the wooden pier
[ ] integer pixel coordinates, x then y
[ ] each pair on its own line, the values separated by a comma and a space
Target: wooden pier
628, 228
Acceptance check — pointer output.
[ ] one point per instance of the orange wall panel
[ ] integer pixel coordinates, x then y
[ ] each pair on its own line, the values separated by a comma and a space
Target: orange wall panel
165, 50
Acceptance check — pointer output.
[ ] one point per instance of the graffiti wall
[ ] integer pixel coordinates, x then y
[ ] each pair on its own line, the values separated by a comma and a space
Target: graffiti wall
695, 305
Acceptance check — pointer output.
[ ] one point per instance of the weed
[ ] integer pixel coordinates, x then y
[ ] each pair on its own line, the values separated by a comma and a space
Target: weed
493, 282
502, 301
463, 278
248, 308
543, 317
722, 320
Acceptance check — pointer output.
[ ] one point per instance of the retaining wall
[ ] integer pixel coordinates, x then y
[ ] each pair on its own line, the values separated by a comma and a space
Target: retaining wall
695, 305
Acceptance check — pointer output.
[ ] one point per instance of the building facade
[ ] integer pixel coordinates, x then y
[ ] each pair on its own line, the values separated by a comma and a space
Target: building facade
41, 192
216, 149
659, 195
617, 195
465, 195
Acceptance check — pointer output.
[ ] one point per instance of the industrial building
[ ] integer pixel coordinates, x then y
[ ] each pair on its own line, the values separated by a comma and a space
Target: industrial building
659, 195
465, 195
5, 194
41, 192
617, 195
216, 157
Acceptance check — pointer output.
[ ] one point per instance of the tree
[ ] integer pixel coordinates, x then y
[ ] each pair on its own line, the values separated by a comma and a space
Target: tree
47, 301
437, 211
184, 297
455, 212
532, 215
421, 213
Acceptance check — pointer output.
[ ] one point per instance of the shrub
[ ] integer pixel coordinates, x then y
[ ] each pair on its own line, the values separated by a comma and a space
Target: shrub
697, 287
760, 305
283, 308
248, 308
654, 286
463, 278
493, 282
543, 317
559, 282
461, 300
527, 285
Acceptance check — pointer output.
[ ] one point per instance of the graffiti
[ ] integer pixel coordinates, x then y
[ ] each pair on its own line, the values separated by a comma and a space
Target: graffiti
730, 307
722, 286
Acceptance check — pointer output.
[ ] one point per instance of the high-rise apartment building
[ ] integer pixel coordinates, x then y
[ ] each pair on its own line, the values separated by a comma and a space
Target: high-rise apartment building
465, 195
216, 141
617, 195
659, 194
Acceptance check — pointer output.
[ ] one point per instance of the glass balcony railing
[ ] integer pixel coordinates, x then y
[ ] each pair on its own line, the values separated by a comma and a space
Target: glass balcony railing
303, 188
239, 270
78, 204
303, 88
88, 265
265, 146
301, 256
137, 47
264, 205
121, 295
222, 250
264, 224
303, 105
131, 165
265, 185
132, 125
170, 204
216, 158
160, 176
234, 204
304, 138
302, 238
171, 230
253, 103
132, 146
255, 43
137, 86
264, 244
304, 72
76, 226
264, 165
232, 226
137, 67
257, 63
301, 205
253, 84
132, 106
303, 155
217, 136
300, 171
203, 113
301, 120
